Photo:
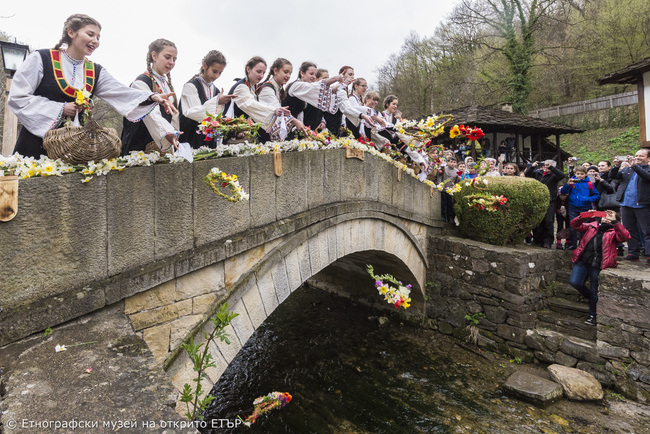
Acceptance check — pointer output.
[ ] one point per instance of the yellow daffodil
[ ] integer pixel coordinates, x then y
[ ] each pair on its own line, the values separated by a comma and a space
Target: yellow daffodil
454, 132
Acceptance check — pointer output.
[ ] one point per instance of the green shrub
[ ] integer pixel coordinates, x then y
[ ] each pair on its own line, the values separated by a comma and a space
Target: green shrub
525, 209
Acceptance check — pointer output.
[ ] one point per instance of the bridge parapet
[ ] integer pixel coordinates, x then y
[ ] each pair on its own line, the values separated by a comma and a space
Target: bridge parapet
75, 247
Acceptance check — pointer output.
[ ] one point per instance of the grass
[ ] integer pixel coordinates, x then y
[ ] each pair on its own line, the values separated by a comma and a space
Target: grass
602, 144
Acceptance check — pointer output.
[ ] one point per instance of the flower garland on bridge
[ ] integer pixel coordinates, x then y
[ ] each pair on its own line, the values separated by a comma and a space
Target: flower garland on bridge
397, 295
217, 179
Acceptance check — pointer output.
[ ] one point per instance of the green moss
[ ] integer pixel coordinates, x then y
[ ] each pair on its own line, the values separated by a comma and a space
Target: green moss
525, 209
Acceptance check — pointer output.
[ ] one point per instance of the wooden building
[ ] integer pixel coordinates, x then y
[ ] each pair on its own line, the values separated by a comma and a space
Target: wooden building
637, 73
531, 134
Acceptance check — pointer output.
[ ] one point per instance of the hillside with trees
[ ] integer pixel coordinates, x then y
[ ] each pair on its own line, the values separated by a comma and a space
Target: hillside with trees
529, 53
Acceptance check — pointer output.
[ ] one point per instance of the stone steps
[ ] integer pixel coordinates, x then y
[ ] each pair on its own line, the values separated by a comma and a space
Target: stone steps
571, 308
567, 325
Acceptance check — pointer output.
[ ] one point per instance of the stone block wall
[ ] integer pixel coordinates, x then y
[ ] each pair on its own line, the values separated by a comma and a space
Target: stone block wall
501, 287
508, 291
624, 323
75, 247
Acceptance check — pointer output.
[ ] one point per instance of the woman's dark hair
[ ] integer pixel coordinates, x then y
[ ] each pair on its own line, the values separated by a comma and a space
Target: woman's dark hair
304, 67
75, 22
157, 46
211, 58
251, 64
276, 66
389, 99
515, 166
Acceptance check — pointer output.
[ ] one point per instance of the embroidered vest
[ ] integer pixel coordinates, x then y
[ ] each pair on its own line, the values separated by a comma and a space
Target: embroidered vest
135, 135
296, 105
189, 126
238, 111
54, 87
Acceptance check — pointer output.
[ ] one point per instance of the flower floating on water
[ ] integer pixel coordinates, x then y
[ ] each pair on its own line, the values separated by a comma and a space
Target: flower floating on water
60, 348
397, 295
265, 404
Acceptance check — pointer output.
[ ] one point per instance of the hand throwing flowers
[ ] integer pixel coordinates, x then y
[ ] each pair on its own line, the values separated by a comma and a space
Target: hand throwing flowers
396, 296
216, 177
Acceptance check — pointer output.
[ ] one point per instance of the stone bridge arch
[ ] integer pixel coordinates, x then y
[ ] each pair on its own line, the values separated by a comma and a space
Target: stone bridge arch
322, 254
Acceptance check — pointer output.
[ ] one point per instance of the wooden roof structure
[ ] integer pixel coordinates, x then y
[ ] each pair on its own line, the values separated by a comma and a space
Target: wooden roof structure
628, 75
491, 119
636, 73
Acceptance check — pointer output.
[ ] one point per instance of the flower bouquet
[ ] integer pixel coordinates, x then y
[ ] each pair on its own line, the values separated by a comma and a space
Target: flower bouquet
397, 295
212, 126
265, 404
313, 135
424, 129
472, 134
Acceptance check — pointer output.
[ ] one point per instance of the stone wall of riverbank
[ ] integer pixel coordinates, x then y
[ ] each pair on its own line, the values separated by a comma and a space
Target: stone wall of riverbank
519, 302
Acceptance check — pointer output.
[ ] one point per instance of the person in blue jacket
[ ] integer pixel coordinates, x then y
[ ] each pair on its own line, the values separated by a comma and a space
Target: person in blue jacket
583, 196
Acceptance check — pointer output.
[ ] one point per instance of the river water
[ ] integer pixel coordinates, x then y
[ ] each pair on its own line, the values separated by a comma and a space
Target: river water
349, 374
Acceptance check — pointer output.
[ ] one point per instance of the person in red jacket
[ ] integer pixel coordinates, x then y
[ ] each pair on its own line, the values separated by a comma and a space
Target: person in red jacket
597, 251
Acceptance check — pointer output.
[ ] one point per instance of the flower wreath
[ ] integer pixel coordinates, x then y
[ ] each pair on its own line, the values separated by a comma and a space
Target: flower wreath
264, 404
397, 296
216, 177
486, 201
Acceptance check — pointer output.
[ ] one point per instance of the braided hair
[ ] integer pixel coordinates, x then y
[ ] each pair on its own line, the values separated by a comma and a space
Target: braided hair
74, 23
276, 66
211, 58
157, 46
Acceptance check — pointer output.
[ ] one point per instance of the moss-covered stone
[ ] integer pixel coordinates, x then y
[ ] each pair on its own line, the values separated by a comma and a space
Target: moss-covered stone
527, 203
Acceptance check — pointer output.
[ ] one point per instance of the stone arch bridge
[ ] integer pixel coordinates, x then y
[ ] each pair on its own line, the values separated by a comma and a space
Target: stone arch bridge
160, 243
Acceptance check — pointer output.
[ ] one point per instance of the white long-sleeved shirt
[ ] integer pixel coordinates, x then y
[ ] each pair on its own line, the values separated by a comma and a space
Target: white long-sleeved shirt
39, 114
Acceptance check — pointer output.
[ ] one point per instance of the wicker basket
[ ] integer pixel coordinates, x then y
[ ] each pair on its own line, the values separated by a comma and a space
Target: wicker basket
79, 145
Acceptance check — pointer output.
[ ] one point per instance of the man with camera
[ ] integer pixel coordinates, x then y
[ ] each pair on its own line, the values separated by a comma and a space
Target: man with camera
634, 197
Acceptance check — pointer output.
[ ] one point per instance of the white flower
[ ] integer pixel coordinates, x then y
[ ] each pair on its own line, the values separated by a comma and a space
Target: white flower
60, 348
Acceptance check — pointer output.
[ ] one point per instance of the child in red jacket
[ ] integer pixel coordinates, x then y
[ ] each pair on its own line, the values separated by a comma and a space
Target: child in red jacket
597, 251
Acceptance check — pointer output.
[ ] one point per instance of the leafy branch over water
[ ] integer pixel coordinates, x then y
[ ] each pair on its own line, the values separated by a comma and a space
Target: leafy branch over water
202, 360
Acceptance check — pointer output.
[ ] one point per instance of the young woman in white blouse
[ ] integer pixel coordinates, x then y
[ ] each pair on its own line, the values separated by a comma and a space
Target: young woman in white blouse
271, 92
156, 128
44, 88
201, 96
245, 102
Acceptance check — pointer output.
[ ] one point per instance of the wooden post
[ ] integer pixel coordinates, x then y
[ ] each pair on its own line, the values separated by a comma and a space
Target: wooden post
10, 125
559, 154
495, 147
539, 146
8, 197
643, 134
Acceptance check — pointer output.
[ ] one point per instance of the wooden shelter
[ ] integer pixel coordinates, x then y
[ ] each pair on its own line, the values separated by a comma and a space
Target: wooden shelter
636, 73
497, 123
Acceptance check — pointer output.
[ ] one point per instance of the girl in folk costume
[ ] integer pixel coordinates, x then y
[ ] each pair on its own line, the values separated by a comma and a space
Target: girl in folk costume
46, 85
157, 128
308, 98
391, 114
245, 103
271, 92
199, 96
351, 104
405, 144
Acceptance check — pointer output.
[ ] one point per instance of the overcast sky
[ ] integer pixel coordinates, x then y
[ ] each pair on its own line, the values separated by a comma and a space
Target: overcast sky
331, 34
